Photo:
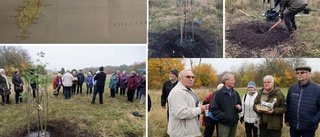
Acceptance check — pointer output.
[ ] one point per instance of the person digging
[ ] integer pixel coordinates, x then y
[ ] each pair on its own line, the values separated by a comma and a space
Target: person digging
288, 9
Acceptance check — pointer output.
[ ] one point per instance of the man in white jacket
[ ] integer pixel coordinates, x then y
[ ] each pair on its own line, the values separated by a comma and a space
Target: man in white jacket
67, 83
248, 115
184, 108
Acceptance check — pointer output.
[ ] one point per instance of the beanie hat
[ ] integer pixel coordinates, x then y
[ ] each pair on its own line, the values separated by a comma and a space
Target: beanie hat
101, 68
251, 84
175, 72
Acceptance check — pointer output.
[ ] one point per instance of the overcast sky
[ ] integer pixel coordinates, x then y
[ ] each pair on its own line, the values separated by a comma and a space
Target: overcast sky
82, 56
227, 64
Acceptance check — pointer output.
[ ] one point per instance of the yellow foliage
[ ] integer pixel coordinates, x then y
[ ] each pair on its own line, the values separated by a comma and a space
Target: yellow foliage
159, 69
206, 75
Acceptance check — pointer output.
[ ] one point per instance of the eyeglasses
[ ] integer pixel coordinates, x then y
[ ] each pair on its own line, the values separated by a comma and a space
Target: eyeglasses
302, 72
189, 77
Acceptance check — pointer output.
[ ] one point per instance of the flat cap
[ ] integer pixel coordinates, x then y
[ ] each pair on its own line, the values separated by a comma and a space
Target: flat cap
303, 68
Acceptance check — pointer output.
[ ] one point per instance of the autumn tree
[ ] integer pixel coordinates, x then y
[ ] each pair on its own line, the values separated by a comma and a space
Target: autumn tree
244, 74
315, 77
206, 75
12, 58
159, 68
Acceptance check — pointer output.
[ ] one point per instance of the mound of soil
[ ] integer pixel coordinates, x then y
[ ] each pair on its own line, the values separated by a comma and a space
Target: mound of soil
256, 35
58, 128
167, 45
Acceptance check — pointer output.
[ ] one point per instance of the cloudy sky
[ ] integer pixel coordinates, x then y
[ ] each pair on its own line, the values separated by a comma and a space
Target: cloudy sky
229, 64
82, 56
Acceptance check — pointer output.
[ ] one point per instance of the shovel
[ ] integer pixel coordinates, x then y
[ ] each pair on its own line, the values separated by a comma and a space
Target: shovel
280, 20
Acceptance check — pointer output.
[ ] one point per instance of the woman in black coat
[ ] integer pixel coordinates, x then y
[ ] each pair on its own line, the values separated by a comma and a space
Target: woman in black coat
18, 86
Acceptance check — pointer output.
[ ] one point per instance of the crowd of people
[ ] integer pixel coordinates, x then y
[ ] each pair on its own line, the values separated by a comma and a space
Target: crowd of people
263, 111
72, 83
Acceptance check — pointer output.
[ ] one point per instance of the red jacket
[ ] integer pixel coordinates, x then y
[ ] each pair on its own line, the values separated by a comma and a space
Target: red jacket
132, 82
56, 82
207, 101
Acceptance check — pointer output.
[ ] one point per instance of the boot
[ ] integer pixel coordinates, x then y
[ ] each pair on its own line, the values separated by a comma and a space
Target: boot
294, 27
288, 32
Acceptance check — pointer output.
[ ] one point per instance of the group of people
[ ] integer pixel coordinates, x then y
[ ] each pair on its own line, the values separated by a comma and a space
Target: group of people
263, 111
5, 87
72, 83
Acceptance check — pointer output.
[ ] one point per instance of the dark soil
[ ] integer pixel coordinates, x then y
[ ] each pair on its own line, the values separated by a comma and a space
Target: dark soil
58, 128
256, 34
167, 45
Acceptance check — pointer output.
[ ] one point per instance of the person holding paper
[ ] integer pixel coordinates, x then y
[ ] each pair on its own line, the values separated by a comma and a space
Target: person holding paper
271, 119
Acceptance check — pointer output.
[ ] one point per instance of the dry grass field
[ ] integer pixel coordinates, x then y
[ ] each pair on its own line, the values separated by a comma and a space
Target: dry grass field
157, 117
111, 119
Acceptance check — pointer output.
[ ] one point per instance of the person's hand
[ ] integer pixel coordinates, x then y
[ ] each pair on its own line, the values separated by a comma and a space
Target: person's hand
270, 111
203, 107
238, 107
164, 107
287, 124
241, 120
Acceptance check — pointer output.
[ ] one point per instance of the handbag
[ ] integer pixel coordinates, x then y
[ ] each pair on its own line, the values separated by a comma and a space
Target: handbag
18, 88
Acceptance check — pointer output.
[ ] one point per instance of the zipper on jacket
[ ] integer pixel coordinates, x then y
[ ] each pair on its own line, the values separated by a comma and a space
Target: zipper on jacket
298, 110
250, 107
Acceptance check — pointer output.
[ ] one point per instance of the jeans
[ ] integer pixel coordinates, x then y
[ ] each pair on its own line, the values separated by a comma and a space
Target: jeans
67, 92
99, 90
138, 93
79, 87
18, 100
297, 133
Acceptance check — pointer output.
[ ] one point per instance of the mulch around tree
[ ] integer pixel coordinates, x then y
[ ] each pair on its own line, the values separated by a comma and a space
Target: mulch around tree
167, 45
256, 35
58, 128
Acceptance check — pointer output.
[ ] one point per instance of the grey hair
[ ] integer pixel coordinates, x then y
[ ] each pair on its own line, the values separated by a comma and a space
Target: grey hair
1, 70
182, 72
268, 77
226, 77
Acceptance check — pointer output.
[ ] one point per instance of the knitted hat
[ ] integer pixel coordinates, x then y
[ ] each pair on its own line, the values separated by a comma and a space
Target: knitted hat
175, 72
101, 68
303, 68
251, 84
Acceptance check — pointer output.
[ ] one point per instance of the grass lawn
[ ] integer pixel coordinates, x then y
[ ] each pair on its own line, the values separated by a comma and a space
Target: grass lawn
113, 118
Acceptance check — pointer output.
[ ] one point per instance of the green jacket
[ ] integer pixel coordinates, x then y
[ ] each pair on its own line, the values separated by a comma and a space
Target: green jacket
291, 6
275, 120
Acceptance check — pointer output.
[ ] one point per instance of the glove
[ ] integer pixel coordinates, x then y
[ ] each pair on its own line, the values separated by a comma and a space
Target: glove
241, 120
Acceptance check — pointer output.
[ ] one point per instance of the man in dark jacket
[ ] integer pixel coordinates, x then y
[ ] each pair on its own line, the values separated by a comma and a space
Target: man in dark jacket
80, 77
225, 106
303, 101
101, 79
289, 8
167, 86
